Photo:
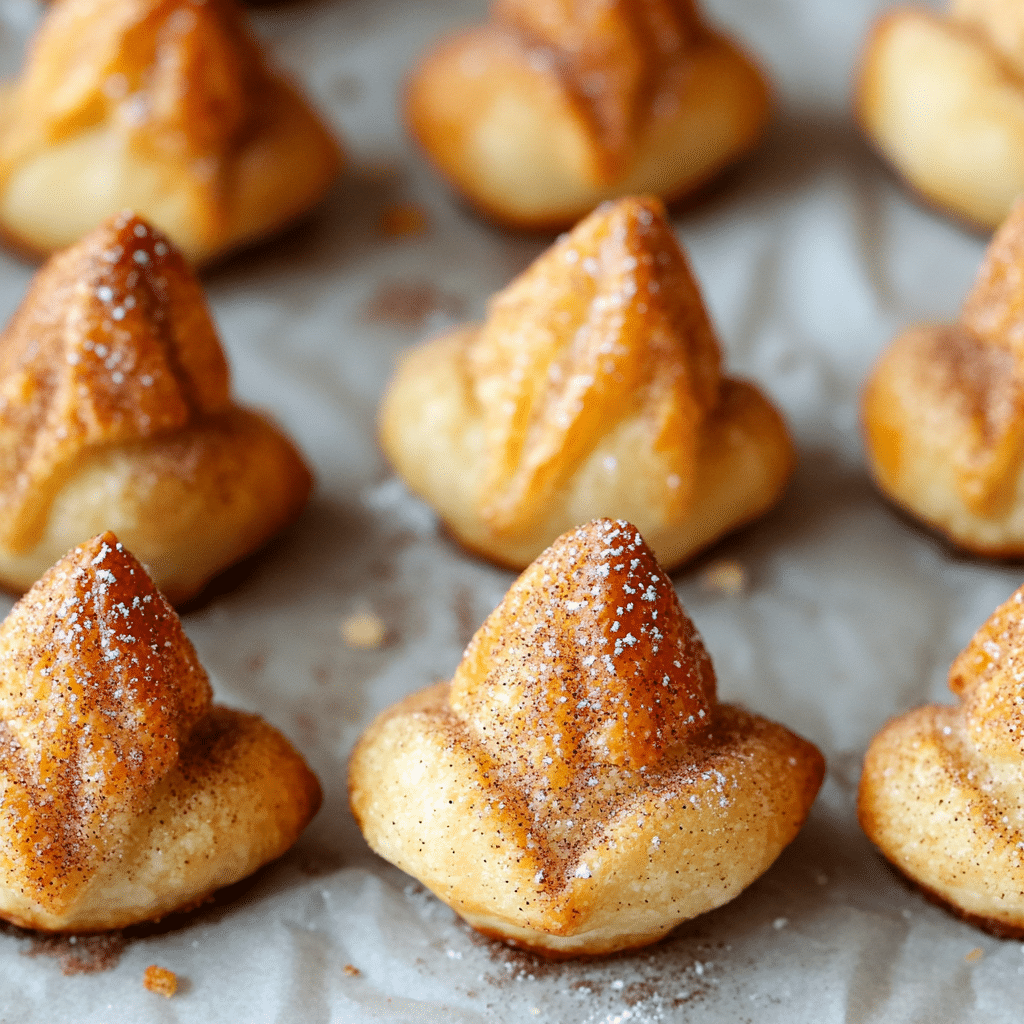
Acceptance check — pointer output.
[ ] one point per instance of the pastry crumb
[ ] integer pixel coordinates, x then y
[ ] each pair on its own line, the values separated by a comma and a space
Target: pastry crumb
726, 577
975, 955
351, 971
160, 980
363, 630
403, 221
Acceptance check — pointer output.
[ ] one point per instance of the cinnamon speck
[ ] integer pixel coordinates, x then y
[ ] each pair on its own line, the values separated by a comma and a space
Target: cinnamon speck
411, 303
351, 971
80, 954
160, 980
726, 578
363, 630
975, 955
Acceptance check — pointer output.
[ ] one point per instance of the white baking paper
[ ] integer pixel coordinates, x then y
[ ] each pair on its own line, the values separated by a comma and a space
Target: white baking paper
811, 257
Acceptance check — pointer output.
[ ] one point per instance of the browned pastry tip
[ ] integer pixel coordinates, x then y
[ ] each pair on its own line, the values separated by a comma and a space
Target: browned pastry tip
940, 794
115, 411
577, 788
942, 99
593, 388
552, 107
942, 411
164, 106
127, 795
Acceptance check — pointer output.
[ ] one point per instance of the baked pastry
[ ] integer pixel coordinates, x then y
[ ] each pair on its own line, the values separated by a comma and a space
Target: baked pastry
162, 106
116, 413
577, 788
942, 791
942, 98
553, 106
594, 388
126, 794
943, 411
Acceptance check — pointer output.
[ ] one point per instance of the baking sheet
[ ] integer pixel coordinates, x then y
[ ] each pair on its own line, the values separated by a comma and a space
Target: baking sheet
810, 257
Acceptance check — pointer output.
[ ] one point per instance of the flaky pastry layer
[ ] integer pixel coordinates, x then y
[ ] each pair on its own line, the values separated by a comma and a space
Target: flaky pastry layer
504, 111
124, 794
943, 102
577, 788
593, 388
940, 793
162, 106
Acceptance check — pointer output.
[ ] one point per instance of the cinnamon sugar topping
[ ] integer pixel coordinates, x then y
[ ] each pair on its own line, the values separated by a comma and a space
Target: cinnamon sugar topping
113, 343
99, 689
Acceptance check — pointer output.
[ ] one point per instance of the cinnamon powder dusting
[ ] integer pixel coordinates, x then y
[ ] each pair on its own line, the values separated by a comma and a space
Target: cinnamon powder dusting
587, 676
99, 689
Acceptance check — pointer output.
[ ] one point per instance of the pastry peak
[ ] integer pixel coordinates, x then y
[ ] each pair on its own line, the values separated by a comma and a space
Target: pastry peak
612, 55
1001, 21
99, 690
607, 321
987, 675
112, 343
589, 660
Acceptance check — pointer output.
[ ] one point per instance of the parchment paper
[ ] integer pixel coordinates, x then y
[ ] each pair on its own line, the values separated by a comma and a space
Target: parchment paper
811, 257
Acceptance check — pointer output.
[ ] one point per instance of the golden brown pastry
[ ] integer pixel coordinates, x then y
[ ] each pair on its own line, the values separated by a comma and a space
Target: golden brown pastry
162, 106
555, 105
594, 388
116, 413
942, 98
942, 791
577, 788
943, 411
126, 795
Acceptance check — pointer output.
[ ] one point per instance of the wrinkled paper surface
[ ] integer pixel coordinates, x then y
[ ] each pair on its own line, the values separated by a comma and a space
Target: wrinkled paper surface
811, 257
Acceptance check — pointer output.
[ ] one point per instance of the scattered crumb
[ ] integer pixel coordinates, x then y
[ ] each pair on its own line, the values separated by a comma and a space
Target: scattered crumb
350, 971
726, 577
85, 954
975, 955
410, 303
363, 630
779, 923
160, 980
403, 221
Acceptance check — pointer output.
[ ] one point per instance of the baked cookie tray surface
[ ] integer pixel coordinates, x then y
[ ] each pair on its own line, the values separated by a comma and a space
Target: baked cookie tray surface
811, 257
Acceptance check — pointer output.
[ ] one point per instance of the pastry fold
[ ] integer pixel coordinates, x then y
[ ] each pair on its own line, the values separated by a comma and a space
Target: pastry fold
162, 106
942, 98
577, 788
942, 791
594, 388
943, 411
124, 794
116, 413
556, 105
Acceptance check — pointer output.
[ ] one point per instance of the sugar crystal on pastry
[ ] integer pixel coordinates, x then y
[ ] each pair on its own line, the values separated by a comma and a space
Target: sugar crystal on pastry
942, 790
943, 411
593, 388
552, 107
942, 99
163, 106
124, 793
577, 788
116, 412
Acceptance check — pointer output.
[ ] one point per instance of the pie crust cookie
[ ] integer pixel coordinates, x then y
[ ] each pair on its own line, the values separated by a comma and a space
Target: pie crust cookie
594, 388
577, 788
942, 791
552, 106
942, 98
126, 794
116, 413
943, 411
162, 106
